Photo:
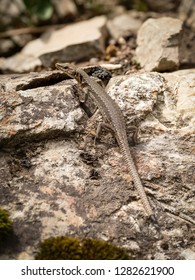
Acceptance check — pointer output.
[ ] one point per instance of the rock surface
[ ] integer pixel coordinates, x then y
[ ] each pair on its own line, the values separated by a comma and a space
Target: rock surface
10, 10
36, 111
187, 12
182, 84
163, 5
74, 42
124, 25
165, 34
56, 187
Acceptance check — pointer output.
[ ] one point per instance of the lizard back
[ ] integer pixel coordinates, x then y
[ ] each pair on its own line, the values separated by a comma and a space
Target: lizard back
114, 116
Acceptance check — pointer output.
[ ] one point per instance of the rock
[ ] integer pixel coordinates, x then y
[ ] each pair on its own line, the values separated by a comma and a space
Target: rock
78, 41
183, 115
53, 186
11, 10
188, 254
187, 12
144, 86
19, 63
162, 5
158, 44
187, 50
42, 205
25, 256
10, 13
35, 112
74, 42
125, 24
137, 96
110, 66
6, 47
65, 8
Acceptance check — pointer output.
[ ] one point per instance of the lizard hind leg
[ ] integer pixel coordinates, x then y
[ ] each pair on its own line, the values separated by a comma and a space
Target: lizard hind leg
99, 129
132, 135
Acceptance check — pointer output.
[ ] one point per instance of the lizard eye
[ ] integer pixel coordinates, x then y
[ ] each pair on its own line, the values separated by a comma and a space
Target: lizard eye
65, 65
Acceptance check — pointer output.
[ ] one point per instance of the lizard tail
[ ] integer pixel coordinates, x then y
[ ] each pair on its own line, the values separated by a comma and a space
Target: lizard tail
137, 182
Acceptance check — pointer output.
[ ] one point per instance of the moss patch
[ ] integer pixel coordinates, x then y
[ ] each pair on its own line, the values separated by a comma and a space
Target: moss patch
6, 225
68, 248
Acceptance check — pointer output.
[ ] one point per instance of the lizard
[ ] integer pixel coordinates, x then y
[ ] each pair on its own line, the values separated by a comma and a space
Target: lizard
112, 113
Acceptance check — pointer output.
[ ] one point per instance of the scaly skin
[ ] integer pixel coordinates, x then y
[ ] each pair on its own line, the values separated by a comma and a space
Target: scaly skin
112, 113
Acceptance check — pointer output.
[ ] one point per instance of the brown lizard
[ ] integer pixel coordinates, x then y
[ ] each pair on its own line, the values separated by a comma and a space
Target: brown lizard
113, 115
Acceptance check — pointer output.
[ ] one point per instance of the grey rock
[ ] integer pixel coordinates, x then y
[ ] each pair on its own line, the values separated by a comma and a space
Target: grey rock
181, 110
158, 42
136, 94
34, 112
125, 24
188, 254
19, 63
69, 190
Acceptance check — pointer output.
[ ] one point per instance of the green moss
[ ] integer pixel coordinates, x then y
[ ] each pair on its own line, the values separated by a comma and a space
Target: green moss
6, 225
101, 250
60, 248
68, 248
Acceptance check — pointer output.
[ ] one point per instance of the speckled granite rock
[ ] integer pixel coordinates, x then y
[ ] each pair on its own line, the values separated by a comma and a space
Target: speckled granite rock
56, 187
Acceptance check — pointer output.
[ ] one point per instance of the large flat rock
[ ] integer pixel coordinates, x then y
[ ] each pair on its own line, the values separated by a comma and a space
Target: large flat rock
57, 186
74, 42
30, 109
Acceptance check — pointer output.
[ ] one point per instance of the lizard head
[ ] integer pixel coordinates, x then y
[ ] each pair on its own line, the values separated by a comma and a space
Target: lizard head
67, 69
